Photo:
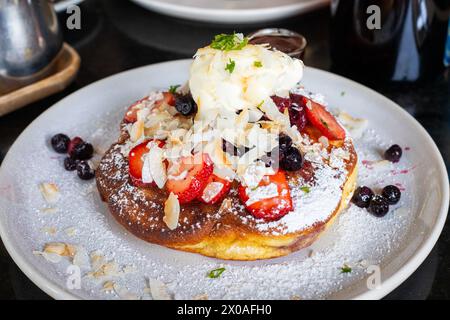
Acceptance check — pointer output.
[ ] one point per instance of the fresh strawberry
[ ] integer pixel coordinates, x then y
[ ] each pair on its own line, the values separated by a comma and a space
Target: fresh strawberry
192, 177
297, 114
168, 98
215, 190
135, 162
273, 208
131, 114
323, 120
72, 144
281, 103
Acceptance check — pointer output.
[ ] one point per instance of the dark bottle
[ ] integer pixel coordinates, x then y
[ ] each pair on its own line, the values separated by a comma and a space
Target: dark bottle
382, 40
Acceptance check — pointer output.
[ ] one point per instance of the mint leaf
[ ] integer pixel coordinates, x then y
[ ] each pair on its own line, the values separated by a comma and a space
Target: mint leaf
173, 89
260, 104
228, 42
257, 64
230, 66
213, 274
305, 189
346, 269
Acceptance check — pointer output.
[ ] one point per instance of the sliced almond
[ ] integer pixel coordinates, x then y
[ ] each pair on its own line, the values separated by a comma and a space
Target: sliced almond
50, 257
142, 114
254, 115
50, 230
108, 286
211, 191
356, 126
146, 172
157, 166
108, 269
49, 210
50, 192
273, 113
61, 249
71, 231
242, 119
171, 211
123, 293
224, 172
324, 141
158, 290
203, 296
137, 130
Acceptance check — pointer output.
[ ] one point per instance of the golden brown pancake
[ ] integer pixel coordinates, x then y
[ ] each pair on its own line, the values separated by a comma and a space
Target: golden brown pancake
226, 230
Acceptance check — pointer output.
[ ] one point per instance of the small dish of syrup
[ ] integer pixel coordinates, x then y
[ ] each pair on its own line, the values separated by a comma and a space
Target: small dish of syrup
287, 41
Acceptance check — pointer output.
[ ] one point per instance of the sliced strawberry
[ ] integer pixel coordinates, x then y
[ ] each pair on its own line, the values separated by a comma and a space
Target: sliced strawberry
135, 162
296, 110
281, 103
272, 208
215, 190
323, 120
131, 114
192, 177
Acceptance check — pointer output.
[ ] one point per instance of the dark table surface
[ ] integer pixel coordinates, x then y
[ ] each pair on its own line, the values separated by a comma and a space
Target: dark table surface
118, 35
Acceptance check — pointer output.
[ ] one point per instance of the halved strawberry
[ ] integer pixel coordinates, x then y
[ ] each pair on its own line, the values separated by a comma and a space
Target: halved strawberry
215, 190
281, 103
270, 208
135, 162
131, 114
296, 110
191, 178
323, 120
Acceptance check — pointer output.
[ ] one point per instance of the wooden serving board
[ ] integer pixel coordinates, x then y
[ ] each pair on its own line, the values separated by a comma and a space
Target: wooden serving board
66, 68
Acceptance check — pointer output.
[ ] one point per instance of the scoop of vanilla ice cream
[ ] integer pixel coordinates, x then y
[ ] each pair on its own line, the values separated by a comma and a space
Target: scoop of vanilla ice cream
258, 74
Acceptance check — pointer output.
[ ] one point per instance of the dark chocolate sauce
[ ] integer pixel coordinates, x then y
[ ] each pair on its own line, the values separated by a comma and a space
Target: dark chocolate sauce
291, 45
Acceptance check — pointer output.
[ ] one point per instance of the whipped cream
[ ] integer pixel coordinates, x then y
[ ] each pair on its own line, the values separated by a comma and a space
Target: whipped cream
257, 74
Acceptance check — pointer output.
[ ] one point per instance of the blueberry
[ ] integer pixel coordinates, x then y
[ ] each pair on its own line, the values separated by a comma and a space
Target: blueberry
378, 206
291, 159
70, 164
60, 143
362, 196
84, 171
394, 153
82, 151
392, 194
73, 143
284, 143
185, 105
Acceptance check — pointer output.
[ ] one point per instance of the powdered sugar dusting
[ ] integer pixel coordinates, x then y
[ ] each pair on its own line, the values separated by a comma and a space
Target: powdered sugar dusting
314, 272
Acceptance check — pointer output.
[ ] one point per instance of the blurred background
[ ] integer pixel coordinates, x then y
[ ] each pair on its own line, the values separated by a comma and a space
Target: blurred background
83, 41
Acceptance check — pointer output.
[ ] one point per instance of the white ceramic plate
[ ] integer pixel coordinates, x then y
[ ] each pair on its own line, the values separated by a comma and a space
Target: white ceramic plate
62, 5
232, 11
397, 243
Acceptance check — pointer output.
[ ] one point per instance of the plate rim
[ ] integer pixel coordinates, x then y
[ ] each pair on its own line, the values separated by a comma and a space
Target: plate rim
399, 276
63, 5
229, 15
